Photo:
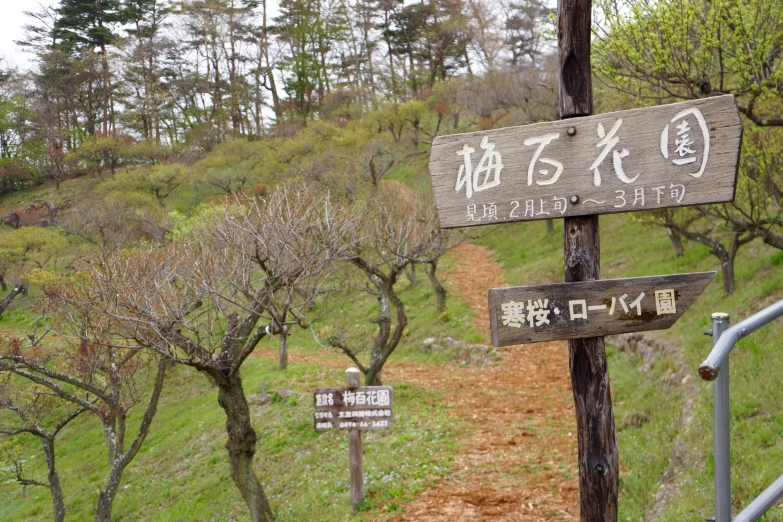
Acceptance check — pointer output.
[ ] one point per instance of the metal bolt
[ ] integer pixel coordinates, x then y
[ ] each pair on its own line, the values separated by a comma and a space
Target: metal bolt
571, 131
708, 332
574, 199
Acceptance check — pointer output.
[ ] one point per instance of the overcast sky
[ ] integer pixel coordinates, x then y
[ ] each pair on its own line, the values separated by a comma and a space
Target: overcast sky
12, 19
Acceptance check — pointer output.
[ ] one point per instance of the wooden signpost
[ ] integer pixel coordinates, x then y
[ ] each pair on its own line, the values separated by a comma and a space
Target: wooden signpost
530, 314
584, 165
666, 156
354, 408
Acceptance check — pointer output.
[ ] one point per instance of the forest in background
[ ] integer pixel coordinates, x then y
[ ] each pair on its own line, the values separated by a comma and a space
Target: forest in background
290, 146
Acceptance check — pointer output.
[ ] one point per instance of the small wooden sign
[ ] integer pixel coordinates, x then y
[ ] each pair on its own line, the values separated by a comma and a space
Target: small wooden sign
529, 314
665, 156
363, 408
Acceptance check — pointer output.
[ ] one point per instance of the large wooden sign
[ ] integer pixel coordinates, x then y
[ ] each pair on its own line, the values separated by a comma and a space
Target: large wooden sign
666, 156
528, 314
363, 408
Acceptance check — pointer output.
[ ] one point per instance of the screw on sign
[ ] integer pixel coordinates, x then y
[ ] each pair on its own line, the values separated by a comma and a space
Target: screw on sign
659, 157
355, 409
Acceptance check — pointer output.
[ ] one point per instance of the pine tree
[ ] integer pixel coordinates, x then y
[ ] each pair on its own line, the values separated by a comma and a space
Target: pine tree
86, 25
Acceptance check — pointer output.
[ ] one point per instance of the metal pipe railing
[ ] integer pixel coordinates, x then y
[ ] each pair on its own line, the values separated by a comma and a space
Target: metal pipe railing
762, 503
716, 368
721, 443
721, 349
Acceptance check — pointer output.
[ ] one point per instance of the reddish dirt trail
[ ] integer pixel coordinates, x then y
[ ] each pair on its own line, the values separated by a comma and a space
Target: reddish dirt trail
518, 456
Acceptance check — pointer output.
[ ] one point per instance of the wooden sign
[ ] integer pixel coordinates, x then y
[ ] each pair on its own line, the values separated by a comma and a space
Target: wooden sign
529, 314
642, 159
363, 408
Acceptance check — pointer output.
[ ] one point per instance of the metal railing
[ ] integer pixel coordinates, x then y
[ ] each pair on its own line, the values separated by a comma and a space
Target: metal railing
716, 368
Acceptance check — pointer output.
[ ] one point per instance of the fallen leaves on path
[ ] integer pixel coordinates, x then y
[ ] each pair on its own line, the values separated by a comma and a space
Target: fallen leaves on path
518, 456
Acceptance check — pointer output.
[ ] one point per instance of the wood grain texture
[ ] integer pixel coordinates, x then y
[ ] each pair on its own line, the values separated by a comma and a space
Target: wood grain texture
357, 475
656, 181
573, 45
598, 322
599, 462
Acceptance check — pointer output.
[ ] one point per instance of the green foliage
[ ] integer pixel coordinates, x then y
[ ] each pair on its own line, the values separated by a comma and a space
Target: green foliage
232, 166
99, 153
158, 182
689, 48
29, 246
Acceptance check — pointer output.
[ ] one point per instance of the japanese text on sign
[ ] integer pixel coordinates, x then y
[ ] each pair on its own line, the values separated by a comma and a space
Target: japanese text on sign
536, 312
631, 160
591, 308
368, 407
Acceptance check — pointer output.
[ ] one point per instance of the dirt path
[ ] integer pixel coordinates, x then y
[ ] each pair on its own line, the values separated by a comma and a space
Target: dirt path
518, 457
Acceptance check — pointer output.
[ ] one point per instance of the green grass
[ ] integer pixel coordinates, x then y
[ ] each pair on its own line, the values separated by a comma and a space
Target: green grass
630, 249
181, 472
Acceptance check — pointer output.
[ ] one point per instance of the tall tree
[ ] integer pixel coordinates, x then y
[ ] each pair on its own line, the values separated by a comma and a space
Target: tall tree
89, 25
302, 32
144, 71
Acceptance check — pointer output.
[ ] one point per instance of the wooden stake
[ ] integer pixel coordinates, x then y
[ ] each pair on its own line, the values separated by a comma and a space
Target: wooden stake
598, 456
353, 380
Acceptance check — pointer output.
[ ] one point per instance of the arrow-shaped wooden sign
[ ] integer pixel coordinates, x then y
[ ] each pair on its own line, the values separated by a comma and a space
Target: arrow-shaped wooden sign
666, 156
529, 314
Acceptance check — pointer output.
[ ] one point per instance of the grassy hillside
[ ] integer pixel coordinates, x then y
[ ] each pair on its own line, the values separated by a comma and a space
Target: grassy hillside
646, 391
181, 472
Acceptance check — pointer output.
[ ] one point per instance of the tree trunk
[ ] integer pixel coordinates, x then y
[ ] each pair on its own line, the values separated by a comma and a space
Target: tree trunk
5, 303
410, 273
676, 242
123, 458
54, 481
241, 446
550, 227
106, 496
727, 270
283, 346
373, 377
106, 87
440, 292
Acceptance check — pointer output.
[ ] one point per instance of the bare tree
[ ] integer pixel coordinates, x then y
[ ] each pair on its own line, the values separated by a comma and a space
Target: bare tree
37, 412
706, 226
100, 378
399, 228
374, 160
207, 302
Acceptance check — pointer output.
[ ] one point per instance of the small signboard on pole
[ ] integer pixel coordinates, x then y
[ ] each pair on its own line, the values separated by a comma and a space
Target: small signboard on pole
363, 408
354, 408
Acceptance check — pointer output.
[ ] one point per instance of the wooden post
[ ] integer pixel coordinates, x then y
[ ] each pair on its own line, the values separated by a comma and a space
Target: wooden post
597, 441
353, 380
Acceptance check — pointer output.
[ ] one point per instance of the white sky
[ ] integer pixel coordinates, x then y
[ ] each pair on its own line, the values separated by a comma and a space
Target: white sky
12, 19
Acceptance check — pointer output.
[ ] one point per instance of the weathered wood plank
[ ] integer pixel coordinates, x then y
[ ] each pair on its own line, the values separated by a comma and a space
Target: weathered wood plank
363, 408
617, 162
591, 308
357, 475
